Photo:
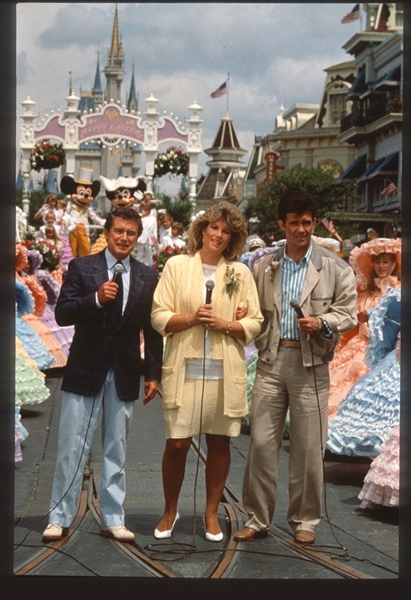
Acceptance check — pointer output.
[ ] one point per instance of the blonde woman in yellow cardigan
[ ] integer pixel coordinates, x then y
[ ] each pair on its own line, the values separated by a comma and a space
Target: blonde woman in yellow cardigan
204, 341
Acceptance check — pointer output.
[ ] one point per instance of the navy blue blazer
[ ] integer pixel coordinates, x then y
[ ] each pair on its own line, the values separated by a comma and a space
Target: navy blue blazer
95, 348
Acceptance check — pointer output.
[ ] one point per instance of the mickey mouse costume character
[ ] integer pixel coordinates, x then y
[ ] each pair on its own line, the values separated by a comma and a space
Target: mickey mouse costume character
82, 192
122, 193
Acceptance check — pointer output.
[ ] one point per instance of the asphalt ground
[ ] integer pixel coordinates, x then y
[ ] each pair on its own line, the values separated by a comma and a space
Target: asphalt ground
368, 535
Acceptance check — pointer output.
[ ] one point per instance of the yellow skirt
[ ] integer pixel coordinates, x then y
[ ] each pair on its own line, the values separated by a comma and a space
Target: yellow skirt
197, 408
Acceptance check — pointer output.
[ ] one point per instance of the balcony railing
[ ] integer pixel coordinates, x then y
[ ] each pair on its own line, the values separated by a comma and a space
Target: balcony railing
364, 114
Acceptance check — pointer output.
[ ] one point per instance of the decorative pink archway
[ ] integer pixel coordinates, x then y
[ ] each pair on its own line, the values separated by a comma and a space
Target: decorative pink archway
111, 124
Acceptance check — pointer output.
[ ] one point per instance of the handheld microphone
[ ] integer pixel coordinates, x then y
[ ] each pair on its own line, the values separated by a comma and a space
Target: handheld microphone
294, 304
209, 288
118, 271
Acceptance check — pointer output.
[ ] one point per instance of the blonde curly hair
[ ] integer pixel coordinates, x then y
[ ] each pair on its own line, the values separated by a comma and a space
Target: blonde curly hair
235, 221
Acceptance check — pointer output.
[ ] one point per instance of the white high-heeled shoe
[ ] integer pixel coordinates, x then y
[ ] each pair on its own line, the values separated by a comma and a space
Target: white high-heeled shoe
162, 535
210, 536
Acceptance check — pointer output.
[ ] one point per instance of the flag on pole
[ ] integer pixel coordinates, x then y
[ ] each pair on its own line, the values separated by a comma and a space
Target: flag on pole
354, 15
329, 225
220, 91
390, 189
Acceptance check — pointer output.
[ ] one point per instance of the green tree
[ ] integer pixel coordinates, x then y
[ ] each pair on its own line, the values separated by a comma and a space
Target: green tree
329, 194
179, 208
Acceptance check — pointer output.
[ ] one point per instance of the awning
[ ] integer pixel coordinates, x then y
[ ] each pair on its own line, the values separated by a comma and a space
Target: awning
358, 87
388, 165
385, 83
371, 169
355, 169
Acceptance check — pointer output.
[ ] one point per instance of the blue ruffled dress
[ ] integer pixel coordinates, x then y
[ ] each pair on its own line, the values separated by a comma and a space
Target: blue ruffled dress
371, 408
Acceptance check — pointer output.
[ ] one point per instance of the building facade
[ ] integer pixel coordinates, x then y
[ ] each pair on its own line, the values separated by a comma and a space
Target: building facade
306, 134
374, 123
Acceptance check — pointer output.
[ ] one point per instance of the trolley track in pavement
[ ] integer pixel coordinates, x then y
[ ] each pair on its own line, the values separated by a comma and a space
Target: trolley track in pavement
220, 561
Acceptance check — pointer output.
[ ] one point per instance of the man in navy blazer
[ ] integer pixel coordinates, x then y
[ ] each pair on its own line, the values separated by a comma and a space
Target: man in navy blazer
103, 370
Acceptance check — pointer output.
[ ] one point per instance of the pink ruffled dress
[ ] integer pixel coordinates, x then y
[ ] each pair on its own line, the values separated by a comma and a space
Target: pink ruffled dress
382, 482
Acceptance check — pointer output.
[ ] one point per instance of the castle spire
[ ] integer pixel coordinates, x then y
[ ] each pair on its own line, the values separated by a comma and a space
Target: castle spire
115, 38
114, 70
132, 102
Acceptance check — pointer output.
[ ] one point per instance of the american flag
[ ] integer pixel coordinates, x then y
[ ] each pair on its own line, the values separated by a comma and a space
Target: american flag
390, 189
354, 15
220, 91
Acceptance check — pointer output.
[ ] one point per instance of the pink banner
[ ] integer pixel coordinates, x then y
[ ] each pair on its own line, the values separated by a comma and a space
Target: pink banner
111, 123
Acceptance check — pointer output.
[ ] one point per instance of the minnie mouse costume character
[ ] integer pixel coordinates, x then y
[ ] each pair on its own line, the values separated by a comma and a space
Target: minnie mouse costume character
82, 192
122, 193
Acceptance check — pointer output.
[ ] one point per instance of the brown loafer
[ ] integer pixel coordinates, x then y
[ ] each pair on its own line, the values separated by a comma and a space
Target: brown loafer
302, 536
248, 534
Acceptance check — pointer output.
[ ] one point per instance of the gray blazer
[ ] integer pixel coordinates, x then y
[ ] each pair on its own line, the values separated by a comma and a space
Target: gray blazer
329, 291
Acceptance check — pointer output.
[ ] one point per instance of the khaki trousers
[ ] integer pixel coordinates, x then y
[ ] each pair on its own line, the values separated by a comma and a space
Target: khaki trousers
285, 384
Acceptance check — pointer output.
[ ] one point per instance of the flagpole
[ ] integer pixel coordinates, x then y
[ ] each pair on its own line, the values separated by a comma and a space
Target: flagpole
228, 79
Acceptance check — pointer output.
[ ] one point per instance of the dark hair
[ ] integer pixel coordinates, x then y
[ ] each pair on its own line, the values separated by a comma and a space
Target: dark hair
235, 221
128, 214
295, 201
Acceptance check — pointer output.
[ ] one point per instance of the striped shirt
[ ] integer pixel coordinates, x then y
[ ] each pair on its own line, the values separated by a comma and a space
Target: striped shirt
292, 281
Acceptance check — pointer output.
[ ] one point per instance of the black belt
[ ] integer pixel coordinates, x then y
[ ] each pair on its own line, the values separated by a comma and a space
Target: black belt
290, 343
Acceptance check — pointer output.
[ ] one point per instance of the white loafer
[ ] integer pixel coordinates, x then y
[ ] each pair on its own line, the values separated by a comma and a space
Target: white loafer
55, 532
118, 533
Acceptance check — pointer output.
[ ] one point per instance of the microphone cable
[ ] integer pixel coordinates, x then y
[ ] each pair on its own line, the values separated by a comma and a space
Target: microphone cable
346, 555
192, 548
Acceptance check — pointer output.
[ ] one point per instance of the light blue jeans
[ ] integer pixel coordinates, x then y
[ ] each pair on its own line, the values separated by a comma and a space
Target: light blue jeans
78, 422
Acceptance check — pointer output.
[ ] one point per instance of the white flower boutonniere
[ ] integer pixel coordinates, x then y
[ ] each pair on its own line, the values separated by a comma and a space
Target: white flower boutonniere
232, 281
272, 266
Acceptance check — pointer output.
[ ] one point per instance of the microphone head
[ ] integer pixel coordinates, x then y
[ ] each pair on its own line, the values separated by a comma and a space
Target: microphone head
118, 269
210, 284
294, 303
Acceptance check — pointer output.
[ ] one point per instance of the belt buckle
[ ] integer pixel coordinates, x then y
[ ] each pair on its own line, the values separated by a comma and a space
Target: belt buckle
290, 343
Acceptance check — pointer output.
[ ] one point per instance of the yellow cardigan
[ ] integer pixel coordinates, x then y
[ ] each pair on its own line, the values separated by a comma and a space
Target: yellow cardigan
181, 291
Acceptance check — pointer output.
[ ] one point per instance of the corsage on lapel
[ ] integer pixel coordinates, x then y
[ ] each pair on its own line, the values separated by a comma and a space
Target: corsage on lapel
271, 268
232, 281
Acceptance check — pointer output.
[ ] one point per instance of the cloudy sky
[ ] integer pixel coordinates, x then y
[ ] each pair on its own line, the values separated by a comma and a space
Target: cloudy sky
275, 54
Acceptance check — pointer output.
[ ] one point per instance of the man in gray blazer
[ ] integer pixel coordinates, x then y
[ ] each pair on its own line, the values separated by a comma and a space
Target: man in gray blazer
103, 370
292, 369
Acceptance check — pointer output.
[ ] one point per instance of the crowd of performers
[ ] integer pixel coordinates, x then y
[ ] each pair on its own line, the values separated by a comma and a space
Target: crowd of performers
364, 402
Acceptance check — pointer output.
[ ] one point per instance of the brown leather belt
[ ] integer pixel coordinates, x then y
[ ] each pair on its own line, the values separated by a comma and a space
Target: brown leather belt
290, 343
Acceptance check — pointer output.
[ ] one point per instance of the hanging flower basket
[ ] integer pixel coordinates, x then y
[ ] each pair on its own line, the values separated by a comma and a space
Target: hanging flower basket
174, 161
47, 156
